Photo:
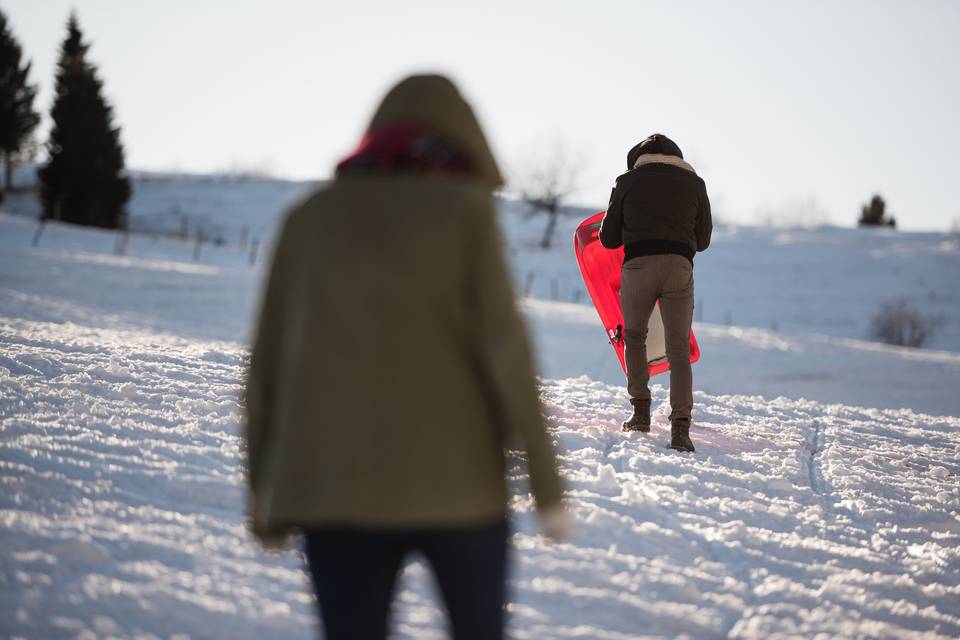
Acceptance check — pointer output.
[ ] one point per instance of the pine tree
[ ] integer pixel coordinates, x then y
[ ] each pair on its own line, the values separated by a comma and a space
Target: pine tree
17, 117
84, 181
875, 214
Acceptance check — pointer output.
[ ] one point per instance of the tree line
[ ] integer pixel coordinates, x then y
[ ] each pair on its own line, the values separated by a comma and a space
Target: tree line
83, 180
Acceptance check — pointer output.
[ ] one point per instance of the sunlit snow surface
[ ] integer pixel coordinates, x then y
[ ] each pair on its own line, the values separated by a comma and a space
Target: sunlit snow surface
121, 508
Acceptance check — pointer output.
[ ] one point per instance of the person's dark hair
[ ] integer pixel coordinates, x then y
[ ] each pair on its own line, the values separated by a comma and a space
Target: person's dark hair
657, 143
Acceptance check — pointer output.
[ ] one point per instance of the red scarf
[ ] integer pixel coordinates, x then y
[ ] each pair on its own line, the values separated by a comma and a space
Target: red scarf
405, 148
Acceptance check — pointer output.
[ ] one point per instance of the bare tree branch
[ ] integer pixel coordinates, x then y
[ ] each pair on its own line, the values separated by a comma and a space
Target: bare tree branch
547, 183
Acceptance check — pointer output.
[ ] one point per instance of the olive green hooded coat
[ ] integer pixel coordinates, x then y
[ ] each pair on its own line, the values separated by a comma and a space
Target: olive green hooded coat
390, 366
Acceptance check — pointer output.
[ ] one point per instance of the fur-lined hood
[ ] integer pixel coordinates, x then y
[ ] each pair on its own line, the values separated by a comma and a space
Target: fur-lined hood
659, 158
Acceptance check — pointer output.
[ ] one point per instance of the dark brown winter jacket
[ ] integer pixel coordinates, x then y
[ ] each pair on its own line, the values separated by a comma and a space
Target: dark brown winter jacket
659, 207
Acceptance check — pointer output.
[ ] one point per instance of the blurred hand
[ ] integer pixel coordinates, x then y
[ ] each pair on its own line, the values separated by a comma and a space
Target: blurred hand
268, 540
557, 523
273, 542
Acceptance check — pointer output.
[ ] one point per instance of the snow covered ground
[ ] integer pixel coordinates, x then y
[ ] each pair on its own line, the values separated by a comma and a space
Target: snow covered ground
744, 360
823, 497
823, 280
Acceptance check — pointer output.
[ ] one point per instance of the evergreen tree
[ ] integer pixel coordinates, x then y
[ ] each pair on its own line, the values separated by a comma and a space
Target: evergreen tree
17, 117
84, 181
875, 214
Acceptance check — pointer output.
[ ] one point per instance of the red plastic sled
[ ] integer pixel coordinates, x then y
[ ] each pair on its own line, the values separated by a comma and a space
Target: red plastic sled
601, 274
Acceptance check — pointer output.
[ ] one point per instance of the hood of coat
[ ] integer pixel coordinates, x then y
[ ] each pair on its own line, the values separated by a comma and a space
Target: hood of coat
659, 158
658, 144
433, 101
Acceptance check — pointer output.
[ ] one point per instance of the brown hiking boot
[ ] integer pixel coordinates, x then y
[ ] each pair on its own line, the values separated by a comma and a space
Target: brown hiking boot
680, 435
640, 421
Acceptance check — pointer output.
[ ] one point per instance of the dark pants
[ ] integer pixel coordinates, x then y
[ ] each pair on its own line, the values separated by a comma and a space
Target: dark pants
354, 572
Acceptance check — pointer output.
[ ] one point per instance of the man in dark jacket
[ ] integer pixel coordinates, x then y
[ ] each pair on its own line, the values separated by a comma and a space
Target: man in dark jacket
660, 213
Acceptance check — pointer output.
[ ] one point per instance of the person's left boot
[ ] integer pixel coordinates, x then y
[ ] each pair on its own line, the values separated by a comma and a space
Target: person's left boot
640, 421
680, 435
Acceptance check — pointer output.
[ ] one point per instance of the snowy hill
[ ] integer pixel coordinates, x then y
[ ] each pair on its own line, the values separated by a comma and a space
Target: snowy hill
823, 498
122, 510
825, 280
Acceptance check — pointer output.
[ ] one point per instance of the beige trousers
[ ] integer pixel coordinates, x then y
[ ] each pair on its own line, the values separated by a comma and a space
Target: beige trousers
645, 279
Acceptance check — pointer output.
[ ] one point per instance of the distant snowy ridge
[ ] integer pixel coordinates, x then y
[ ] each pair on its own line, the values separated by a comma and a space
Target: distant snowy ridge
825, 280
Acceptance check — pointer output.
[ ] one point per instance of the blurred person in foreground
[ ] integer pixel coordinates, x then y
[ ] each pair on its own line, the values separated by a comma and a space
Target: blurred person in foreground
391, 368
660, 213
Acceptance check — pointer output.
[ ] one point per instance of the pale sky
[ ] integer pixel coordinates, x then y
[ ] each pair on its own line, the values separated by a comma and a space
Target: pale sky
795, 110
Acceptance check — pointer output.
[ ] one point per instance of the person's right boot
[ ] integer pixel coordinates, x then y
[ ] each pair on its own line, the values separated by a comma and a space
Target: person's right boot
640, 421
680, 435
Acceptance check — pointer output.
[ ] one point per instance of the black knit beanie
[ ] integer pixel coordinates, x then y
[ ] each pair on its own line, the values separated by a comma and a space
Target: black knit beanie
657, 143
